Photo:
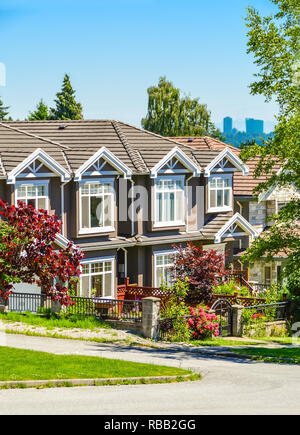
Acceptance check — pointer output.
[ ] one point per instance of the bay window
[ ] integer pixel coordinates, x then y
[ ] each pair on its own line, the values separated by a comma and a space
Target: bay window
33, 193
96, 279
97, 206
169, 201
220, 193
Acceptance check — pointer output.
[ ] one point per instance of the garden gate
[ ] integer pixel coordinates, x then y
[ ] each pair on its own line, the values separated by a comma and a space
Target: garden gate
223, 310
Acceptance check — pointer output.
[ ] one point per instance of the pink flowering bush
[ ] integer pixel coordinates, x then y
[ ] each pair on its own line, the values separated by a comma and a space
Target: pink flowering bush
202, 325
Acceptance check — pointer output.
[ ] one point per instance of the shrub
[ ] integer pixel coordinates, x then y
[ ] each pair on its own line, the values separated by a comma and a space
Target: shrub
203, 325
231, 287
203, 269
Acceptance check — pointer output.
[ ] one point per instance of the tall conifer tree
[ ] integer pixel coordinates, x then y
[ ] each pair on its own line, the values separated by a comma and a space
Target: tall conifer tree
66, 105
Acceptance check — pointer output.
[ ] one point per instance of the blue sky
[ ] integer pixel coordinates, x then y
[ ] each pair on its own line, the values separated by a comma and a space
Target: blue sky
115, 49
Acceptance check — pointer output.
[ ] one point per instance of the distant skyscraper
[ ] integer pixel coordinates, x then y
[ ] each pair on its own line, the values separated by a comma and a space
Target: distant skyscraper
254, 126
227, 125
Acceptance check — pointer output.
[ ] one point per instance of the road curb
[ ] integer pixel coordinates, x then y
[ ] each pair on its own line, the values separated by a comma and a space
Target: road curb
90, 382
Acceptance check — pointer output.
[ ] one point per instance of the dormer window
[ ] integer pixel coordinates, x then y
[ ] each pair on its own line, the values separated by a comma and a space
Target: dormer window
96, 206
169, 201
220, 193
34, 193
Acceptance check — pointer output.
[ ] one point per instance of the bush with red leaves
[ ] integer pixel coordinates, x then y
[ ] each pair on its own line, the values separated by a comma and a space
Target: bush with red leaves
28, 253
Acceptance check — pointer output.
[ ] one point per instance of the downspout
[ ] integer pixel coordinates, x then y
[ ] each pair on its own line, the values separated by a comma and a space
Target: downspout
241, 207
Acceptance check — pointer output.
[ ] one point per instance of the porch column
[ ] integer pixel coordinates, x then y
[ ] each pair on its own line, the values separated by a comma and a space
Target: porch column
150, 317
237, 324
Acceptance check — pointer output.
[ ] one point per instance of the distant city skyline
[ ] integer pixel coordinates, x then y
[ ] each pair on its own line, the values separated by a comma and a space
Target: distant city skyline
241, 125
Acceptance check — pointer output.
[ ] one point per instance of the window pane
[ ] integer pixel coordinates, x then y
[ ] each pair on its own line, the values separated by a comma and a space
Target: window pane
108, 211
219, 182
85, 212
21, 192
42, 203
41, 191
85, 268
96, 267
159, 207
213, 198
31, 202
179, 206
213, 182
227, 197
97, 284
85, 189
96, 212
108, 285
159, 276
84, 288
219, 198
227, 182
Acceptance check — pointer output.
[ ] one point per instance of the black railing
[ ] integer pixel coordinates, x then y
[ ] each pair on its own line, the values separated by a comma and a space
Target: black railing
271, 312
28, 302
113, 309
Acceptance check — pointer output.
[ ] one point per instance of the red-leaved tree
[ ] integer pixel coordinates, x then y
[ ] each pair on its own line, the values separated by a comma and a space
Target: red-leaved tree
203, 269
28, 253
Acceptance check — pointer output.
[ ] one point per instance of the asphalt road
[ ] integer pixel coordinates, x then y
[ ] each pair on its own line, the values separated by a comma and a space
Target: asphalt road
228, 386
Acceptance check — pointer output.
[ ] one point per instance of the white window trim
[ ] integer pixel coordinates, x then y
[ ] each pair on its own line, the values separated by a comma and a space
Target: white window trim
33, 183
158, 254
97, 230
158, 224
100, 260
224, 208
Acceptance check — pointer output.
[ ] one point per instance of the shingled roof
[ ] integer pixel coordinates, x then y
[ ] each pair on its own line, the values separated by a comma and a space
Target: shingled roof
72, 143
243, 185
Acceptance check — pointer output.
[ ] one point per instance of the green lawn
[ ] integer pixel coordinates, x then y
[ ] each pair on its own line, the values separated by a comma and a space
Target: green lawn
283, 355
52, 321
224, 342
22, 365
281, 340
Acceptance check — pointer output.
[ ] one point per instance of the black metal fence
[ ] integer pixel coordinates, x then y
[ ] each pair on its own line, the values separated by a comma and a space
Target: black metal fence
270, 312
113, 309
28, 302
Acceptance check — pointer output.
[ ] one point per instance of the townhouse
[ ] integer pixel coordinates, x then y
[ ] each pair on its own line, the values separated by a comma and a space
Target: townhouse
257, 210
124, 195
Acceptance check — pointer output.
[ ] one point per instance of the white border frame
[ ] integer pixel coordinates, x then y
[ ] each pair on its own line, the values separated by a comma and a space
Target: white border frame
98, 230
174, 223
224, 208
111, 258
156, 254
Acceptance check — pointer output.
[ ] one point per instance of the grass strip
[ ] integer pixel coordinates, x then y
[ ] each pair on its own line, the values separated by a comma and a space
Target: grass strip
21, 365
287, 355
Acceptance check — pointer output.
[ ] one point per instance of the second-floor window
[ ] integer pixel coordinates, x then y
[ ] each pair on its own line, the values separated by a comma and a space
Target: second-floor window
169, 201
220, 193
163, 265
97, 206
34, 194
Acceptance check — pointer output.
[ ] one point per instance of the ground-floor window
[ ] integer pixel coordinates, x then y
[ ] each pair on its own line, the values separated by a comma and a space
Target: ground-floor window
97, 279
163, 264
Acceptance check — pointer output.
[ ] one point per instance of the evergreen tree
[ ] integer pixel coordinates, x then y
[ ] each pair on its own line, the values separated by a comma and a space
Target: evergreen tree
169, 114
66, 105
3, 111
41, 112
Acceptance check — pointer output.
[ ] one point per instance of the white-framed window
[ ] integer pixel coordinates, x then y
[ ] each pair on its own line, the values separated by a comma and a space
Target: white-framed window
169, 204
97, 278
34, 193
163, 264
97, 199
220, 193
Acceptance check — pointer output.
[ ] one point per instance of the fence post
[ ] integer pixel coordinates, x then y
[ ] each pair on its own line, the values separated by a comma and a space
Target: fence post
150, 317
3, 305
237, 324
55, 307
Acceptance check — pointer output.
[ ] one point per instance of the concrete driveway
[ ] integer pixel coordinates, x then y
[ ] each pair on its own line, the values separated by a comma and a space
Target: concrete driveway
228, 386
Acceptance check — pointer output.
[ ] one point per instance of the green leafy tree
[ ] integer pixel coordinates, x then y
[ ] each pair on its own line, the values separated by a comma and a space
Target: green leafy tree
66, 105
169, 114
41, 113
3, 111
274, 41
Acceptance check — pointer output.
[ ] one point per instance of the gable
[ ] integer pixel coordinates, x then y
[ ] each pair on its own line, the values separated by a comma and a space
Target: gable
38, 164
226, 161
176, 161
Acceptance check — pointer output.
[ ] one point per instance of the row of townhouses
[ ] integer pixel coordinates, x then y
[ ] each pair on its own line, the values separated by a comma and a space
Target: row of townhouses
127, 197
